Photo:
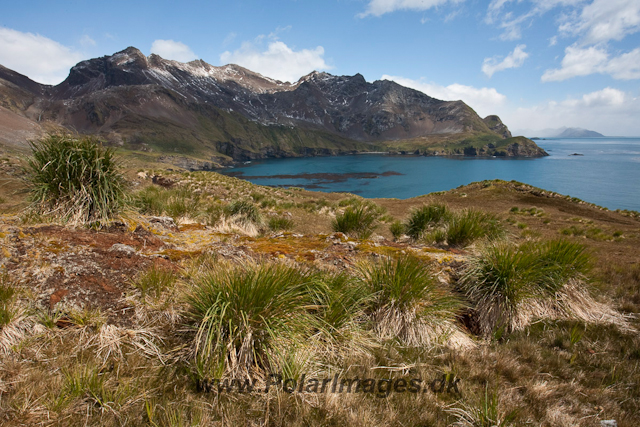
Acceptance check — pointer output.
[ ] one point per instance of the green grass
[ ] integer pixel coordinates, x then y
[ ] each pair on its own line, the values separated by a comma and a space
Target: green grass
175, 202
423, 218
469, 225
75, 179
212, 214
503, 277
154, 281
397, 229
7, 297
358, 221
245, 210
559, 261
341, 300
406, 299
278, 223
151, 200
237, 313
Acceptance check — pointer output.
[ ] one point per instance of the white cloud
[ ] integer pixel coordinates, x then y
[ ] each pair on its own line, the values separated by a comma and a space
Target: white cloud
602, 98
579, 61
514, 60
169, 49
36, 56
380, 7
87, 41
625, 66
484, 100
512, 22
609, 111
605, 20
278, 61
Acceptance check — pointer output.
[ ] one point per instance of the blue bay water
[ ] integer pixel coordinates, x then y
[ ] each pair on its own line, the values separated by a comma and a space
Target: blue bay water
607, 173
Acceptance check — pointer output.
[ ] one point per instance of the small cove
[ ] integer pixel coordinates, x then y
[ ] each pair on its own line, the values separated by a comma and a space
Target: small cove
605, 171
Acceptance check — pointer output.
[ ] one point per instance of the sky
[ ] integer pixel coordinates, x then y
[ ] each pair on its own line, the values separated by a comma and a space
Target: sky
536, 63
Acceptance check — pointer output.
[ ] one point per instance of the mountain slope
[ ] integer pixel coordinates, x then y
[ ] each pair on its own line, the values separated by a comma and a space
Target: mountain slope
198, 111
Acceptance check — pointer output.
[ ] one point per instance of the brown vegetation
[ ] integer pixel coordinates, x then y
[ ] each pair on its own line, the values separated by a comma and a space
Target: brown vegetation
90, 340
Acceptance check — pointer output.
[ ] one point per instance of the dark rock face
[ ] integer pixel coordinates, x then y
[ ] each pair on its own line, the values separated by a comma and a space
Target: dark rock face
239, 113
345, 105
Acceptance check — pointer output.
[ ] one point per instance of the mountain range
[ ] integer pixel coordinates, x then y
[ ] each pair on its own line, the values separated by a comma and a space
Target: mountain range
196, 115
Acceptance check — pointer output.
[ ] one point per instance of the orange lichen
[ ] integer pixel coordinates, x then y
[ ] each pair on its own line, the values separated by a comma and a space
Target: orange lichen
191, 227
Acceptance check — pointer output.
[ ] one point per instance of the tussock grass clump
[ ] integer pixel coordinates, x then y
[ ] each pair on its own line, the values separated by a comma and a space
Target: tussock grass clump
408, 302
397, 229
212, 214
469, 225
425, 217
341, 299
436, 223
237, 311
342, 304
74, 179
512, 285
358, 221
245, 210
278, 223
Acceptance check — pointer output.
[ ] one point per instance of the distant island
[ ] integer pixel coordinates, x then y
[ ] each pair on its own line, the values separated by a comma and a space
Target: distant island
579, 133
563, 132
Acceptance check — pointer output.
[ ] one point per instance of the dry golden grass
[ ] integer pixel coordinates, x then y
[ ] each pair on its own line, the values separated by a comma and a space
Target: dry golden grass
572, 363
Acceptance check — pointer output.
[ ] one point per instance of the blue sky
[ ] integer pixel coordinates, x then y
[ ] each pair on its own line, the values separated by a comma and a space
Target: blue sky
537, 63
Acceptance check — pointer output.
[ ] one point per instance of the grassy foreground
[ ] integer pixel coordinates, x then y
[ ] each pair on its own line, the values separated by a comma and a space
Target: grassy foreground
528, 298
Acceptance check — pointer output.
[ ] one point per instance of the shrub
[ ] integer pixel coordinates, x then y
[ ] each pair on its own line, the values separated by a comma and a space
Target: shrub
469, 225
356, 221
425, 217
408, 303
278, 223
75, 179
238, 311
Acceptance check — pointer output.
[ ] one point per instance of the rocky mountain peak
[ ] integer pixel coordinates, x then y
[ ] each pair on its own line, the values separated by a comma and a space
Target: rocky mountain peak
156, 100
129, 58
494, 123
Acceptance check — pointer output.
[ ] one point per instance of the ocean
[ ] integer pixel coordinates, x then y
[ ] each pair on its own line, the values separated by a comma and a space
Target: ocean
604, 171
